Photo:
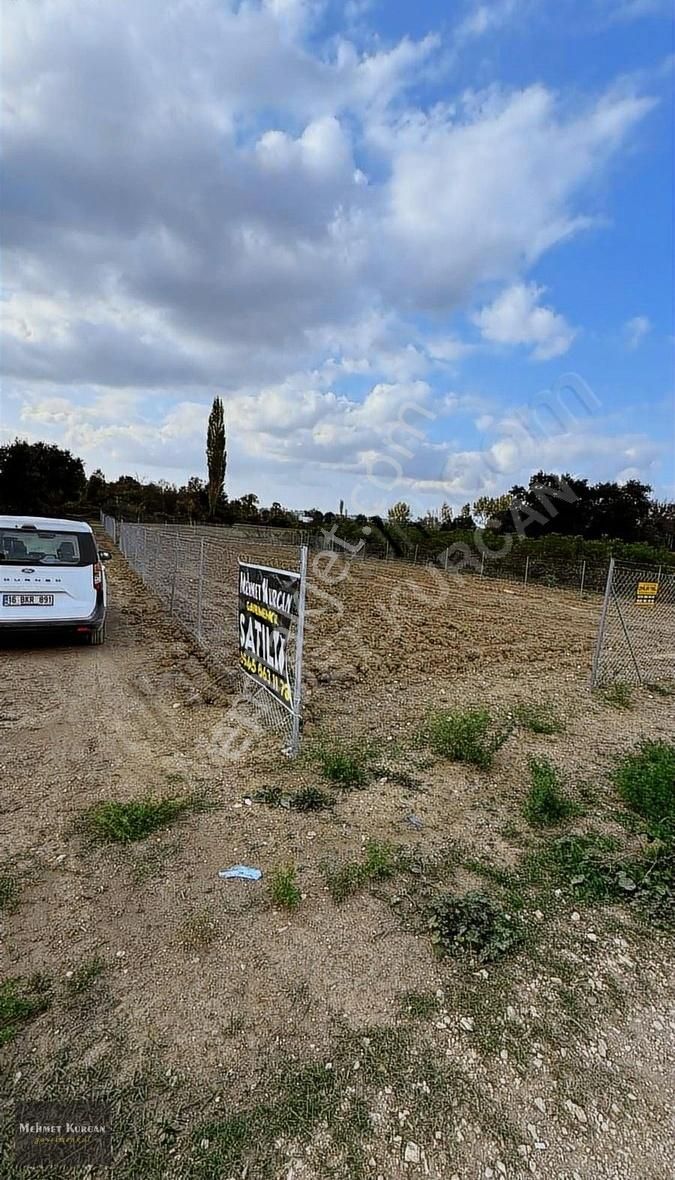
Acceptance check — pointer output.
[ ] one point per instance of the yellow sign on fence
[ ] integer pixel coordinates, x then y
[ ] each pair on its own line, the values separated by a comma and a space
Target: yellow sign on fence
647, 591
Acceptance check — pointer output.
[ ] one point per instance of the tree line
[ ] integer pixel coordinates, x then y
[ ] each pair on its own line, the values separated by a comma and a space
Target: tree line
45, 480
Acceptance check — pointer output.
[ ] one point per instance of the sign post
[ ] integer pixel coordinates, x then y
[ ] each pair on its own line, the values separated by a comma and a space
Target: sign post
299, 644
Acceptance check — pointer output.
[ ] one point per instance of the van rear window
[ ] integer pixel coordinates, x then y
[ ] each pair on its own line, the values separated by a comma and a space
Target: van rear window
46, 547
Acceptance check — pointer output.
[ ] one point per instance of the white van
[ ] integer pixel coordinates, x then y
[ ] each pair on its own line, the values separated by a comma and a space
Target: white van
51, 577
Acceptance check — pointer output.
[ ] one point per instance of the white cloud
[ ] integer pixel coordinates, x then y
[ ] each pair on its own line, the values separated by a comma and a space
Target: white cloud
203, 197
516, 317
635, 330
487, 17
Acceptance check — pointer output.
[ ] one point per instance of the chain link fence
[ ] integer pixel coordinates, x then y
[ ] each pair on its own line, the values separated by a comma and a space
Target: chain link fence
384, 638
636, 635
195, 575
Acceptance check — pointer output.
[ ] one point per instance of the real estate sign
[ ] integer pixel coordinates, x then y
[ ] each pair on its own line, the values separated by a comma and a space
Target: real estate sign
268, 603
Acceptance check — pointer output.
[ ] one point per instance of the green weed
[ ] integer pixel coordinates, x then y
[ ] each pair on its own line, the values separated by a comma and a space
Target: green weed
346, 765
283, 888
645, 779
539, 719
464, 736
9, 894
311, 799
619, 695
85, 976
472, 925
419, 1005
546, 802
122, 823
20, 1000
380, 861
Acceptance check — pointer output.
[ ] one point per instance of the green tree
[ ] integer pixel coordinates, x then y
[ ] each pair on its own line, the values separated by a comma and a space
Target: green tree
399, 512
216, 455
486, 508
39, 479
96, 488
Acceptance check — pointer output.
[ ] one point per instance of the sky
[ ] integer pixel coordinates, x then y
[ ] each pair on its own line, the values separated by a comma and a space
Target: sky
420, 250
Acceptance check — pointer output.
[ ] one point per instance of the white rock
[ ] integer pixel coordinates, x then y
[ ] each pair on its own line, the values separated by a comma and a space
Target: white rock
591, 936
602, 1048
412, 1153
576, 917
578, 1111
540, 1105
466, 1023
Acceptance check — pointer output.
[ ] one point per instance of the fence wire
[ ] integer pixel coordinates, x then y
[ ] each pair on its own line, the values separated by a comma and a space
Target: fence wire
196, 578
636, 636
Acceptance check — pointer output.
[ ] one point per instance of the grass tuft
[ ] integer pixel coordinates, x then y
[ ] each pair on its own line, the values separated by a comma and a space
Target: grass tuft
645, 779
9, 894
464, 736
311, 799
123, 823
380, 861
419, 1005
347, 765
198, 931
21, 1000
539, 719
546, 802
283, 888
85, 976
619, 695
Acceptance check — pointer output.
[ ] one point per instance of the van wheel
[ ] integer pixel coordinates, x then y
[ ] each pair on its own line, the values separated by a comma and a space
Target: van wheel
97, 638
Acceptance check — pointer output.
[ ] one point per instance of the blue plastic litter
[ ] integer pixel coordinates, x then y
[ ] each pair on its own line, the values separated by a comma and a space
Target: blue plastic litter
244, 872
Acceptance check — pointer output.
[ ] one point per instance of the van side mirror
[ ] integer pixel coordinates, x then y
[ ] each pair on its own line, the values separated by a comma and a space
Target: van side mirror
104, 555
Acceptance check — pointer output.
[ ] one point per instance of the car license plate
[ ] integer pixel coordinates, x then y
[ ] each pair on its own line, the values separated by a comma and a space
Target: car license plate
28, 600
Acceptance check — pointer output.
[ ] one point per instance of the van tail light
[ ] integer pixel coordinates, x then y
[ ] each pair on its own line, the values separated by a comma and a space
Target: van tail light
98, 575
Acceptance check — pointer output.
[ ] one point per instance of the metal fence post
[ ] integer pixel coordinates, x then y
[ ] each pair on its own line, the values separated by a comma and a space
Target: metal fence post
299, 643
415, 557
200, 591
583, 579
446, 560
603, 622
527, 569
482, 564
173, 580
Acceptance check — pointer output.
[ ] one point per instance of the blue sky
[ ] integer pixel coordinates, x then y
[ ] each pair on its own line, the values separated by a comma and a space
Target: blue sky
388, 235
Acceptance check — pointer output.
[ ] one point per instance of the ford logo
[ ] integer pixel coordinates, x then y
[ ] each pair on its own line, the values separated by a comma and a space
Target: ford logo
28, 571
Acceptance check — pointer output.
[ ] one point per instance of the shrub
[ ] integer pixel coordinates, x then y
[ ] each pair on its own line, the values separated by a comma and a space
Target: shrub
464, 736
21, 1000
546, 802
121, 823
472, 925
539, 719
645, 779
283, 887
